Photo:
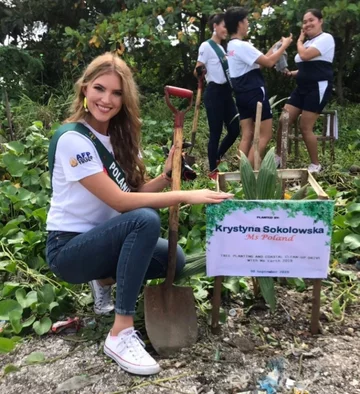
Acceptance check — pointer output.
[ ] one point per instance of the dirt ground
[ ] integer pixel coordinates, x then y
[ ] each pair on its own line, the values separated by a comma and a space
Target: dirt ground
247, 349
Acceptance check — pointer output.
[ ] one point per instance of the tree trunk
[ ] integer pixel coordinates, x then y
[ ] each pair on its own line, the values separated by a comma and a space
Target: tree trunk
203, 22
344, 52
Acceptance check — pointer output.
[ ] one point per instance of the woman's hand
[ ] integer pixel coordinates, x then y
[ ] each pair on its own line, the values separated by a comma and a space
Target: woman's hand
287, 73
205, 196
286, 41
301, 38
169, 161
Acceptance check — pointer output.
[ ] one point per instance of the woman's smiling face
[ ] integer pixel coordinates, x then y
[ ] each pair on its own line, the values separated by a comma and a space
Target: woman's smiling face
312, 25
104, 100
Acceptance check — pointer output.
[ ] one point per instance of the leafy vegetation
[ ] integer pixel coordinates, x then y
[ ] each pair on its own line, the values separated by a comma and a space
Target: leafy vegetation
31, 298
46, 45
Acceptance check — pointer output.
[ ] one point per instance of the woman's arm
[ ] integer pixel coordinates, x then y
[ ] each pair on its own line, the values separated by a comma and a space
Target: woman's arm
289, 73
270, 51
203, 69
106, 190
270, 60
162, 181
306, 53
156, 185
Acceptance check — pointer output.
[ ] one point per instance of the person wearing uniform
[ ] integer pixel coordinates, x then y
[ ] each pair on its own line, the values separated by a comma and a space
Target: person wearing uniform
314, 79
102, 224
247, 80
218, 100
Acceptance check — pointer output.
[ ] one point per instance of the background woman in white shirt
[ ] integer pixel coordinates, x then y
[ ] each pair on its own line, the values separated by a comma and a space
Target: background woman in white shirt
314, 79
247, 80
218, 100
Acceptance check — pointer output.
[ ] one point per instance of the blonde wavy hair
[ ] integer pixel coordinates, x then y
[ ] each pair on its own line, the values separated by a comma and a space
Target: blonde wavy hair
125, 127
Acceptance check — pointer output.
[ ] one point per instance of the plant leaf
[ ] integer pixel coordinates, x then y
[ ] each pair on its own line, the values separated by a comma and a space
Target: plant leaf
6, 306
15, 146
352, 241
248, 179
300, 194
34, 358
15, 321
46, 294
336, 308
6, 345
26, 300
267, 179
10, 368
29, 321
267, 287
42, 326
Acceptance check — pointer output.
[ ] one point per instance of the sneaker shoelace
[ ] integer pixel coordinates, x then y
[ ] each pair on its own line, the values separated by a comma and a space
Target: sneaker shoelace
103, 295
134, 344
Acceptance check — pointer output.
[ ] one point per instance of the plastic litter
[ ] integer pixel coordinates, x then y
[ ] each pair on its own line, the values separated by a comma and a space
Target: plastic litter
270, 382
289, 383
277, 363
72, 324
300, 391
282, 63
2, 325
253, 392
232, 312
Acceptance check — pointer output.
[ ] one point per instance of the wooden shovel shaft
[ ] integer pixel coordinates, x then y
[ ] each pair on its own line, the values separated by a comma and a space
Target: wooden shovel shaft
196, 116
174, 210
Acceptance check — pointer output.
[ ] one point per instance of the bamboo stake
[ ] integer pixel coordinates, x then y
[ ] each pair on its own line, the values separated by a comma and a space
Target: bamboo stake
257, 158
257, 162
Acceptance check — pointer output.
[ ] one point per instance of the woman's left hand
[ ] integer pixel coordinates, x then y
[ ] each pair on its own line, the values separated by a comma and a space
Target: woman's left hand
287, 72
302, 36
169, 161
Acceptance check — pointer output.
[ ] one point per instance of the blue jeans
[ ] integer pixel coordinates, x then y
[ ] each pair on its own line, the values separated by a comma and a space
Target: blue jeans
126, 248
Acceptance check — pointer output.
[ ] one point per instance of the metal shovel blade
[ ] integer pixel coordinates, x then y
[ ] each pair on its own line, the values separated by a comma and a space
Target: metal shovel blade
170, 318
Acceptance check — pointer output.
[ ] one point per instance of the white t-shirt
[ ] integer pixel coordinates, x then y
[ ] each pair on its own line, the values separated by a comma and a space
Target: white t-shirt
73, 207
241, 57
325, 44
208, 56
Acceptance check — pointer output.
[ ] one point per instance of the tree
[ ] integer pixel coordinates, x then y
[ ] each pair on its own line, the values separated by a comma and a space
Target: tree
18, 69
152, 28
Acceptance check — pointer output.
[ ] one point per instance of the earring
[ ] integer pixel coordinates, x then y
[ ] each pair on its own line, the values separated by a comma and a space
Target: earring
214, 32
85, 105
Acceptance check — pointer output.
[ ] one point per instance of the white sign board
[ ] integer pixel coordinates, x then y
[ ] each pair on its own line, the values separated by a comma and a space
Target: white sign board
269, 238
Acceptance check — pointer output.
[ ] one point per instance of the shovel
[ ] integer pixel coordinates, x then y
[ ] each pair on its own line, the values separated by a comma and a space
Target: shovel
191, 159
170, 315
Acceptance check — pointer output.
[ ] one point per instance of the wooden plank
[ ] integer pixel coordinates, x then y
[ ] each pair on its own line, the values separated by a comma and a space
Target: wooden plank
257, 157
318, 189
315, 311
283, 174
216, 301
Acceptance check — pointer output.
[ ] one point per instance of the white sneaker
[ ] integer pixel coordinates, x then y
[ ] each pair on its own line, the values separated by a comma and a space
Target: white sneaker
128, 350
103, 303
277, 161
313, 168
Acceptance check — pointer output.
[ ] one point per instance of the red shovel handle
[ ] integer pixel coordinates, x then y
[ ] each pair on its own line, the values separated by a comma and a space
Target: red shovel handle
178, 92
